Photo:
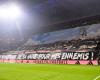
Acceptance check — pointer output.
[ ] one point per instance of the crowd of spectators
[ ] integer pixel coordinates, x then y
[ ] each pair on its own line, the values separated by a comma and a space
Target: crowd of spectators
69, 45
74, 44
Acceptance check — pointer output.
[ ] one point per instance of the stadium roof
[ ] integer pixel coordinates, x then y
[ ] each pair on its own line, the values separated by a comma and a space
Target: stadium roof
60, 11
51, 15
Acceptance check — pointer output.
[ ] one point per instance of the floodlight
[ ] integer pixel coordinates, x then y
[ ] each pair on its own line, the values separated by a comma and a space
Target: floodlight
10, 11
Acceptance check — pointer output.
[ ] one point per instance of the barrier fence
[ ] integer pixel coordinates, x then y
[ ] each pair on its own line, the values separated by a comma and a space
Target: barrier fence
83, 62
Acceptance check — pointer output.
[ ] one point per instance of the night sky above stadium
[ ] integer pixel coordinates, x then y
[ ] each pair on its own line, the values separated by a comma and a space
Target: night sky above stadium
40, 13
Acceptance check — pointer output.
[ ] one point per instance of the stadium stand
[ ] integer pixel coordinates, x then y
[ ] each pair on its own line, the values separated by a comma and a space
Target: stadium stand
88, 44
83, 50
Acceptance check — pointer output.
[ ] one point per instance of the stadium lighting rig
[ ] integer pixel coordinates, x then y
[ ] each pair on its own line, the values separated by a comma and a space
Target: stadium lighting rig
10, 11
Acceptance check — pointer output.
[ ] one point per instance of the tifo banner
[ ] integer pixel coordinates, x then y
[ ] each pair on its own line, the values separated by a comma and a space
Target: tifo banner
51, 56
